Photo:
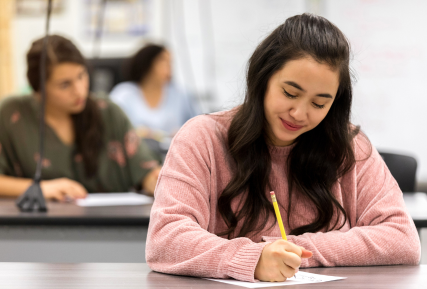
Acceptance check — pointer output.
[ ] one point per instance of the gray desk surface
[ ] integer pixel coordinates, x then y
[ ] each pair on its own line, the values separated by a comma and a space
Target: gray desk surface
71, 214
98, 275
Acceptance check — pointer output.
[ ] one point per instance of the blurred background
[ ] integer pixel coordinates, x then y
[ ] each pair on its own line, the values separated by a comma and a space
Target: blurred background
211, 42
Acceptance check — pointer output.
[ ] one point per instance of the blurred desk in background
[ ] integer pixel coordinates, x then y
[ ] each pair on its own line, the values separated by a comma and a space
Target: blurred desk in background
417, 208
68, 233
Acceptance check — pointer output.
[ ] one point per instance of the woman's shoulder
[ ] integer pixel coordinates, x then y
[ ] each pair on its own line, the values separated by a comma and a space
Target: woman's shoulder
211, 122
123, 90
362, 146
11, 102
206, 126
107, 107
13, 105
366, 155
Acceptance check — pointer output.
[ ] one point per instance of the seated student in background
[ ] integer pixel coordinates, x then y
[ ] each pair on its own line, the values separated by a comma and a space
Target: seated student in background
90, 145
292, 135
150, 100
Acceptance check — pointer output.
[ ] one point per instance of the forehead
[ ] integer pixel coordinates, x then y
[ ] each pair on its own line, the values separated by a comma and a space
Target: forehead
164, 54
310, 75
65, 70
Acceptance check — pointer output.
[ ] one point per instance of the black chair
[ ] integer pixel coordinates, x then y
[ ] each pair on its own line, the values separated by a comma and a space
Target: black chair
403, 168
105, 73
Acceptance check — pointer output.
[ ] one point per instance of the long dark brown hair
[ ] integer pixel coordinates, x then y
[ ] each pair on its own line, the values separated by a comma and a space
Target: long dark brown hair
88, 125
319, 157
139, 66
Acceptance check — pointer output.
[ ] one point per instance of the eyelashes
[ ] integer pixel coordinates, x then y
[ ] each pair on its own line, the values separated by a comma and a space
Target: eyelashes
318, 105
288, 94
291, 96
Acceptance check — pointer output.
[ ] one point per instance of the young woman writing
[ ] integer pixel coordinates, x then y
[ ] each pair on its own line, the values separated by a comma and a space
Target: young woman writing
213, 215
90, 145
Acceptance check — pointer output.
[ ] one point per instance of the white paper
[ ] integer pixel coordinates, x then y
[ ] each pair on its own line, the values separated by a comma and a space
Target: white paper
114, 199
299, 278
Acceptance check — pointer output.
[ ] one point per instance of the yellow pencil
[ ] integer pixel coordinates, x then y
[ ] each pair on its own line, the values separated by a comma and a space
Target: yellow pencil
279, 218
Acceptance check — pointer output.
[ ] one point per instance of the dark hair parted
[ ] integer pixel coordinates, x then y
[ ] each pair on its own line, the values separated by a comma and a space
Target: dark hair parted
139, 65
319, 157
88, 125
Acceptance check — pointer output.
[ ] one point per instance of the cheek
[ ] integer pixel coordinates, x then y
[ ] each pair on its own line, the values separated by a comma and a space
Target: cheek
165, 69
58, 97
86, 81
318, 116
274, 100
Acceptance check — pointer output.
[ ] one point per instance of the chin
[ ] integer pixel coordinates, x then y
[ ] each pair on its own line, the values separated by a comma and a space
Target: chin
77, 110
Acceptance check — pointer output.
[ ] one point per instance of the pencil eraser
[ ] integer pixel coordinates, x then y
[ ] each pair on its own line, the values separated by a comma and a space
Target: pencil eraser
272, 193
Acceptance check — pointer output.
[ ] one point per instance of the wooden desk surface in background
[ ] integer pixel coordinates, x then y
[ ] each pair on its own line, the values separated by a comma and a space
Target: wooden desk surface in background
97, 275
71, 214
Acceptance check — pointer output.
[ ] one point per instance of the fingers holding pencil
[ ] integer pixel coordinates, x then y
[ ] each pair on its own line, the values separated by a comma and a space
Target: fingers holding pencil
280, 260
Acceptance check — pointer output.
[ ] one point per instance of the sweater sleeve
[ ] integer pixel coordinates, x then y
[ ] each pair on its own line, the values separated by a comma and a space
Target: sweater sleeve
382, 232
179, 241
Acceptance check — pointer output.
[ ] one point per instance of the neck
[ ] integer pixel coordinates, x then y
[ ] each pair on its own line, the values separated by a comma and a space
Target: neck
152, 90
151, 85
52, 113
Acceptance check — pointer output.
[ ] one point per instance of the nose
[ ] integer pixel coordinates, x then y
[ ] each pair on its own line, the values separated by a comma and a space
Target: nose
299, 112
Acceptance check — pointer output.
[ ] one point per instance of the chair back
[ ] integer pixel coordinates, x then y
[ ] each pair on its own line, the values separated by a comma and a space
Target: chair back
105, 73
403, 168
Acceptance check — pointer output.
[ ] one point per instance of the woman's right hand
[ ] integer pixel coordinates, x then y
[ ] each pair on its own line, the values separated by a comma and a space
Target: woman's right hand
63, 189
280, 260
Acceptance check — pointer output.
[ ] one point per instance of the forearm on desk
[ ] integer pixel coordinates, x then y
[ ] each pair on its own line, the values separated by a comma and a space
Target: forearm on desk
12, 186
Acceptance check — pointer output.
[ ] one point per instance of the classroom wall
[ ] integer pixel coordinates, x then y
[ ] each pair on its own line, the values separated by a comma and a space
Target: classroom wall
212, 41
71, 24
389, 60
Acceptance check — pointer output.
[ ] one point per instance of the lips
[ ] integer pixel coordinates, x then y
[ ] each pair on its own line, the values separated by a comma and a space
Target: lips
80, 101
290, 126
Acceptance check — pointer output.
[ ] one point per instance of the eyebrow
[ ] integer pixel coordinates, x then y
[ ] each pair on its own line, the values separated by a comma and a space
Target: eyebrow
297, 86
68, 81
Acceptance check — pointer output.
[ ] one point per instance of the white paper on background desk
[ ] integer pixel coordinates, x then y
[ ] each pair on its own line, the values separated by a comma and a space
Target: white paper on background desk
114, 199
299, 278
416, 203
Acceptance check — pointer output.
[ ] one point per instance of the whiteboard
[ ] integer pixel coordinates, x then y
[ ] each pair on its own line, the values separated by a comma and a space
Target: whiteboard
389, 42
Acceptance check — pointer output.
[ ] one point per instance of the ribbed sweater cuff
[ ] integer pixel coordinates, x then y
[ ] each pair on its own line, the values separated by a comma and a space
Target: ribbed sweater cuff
242, 265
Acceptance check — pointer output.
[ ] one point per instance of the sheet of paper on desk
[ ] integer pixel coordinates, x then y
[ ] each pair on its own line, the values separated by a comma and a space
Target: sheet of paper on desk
299, 278
114, 199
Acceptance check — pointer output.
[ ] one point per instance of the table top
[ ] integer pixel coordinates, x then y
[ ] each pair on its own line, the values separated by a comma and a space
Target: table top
108, 275
71, 214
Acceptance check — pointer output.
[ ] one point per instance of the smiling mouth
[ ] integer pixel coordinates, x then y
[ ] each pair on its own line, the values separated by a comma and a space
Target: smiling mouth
290, 126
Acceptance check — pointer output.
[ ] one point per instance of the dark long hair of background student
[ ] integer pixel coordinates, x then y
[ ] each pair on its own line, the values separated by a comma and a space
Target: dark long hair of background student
320, 156
88, 126
138, 66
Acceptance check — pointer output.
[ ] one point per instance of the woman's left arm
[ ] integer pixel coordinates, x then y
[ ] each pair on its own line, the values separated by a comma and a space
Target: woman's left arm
382, 232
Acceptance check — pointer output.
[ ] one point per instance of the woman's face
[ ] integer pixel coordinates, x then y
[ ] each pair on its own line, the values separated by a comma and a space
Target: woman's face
298, 98
161, 69
67, 88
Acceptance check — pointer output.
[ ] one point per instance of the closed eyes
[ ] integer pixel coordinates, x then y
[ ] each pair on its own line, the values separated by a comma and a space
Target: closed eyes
291, 96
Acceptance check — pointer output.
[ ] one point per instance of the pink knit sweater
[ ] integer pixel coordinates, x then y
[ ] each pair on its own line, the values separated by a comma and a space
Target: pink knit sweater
185, 219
